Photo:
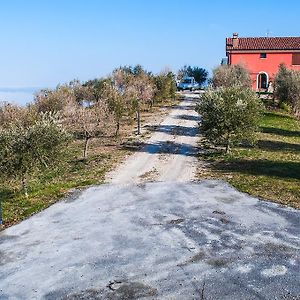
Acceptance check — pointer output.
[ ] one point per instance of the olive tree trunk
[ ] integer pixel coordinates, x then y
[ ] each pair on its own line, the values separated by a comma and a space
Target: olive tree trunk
138, 114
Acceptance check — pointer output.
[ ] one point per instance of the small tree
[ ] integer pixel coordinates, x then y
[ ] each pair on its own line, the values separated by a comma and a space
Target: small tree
165, 86
231, 75
24, 150
54, 100
116, 101
287, 88
12, 114
141, 90
229, 115
87, 122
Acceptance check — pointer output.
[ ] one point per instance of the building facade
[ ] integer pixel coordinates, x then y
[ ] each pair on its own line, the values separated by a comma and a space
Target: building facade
262, 56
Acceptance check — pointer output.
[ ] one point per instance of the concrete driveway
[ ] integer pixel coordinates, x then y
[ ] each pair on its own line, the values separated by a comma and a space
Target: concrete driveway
154, 241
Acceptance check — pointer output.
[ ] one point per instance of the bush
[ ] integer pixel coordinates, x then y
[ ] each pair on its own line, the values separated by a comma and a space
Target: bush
229, 115
26, 149
231, 75
165, 86
287, 88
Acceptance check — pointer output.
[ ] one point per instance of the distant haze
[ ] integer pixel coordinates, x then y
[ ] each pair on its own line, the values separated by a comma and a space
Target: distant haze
20, 96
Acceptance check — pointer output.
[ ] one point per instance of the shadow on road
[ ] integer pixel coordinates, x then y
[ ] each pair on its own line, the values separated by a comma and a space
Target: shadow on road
174, 130
163, 147
188, 117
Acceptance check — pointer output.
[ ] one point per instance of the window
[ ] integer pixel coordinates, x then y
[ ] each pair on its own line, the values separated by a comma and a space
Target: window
262, 81
296, 59
263, 55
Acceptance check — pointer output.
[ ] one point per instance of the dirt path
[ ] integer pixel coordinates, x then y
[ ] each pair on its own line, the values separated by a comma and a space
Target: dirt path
170, 153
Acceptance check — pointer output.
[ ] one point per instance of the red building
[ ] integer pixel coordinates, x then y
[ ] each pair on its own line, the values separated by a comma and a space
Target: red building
263, 55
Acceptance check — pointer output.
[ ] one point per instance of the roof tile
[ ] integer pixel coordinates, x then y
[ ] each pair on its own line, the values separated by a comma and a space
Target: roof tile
264, 43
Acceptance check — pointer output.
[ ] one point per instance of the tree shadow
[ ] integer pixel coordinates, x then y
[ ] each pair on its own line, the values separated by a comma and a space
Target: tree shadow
261, 167
174, 130
188, 117
278, 146
277, 115
163, 147
185, 107
279, 131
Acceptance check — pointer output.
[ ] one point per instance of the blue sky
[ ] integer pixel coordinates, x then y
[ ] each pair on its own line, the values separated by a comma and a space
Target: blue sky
47, 42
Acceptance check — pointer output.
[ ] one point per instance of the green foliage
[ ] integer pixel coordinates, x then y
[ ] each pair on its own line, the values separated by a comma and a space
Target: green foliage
287, 88
165, 86
231, 75
229, 115
24, 150
198, 73
97, 86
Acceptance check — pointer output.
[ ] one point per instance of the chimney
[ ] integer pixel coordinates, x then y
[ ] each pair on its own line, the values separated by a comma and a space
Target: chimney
235, 40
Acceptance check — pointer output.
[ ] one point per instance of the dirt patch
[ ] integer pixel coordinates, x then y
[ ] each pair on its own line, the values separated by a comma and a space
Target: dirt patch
176, 221
217, 262
150, 175
218, 212
133, 290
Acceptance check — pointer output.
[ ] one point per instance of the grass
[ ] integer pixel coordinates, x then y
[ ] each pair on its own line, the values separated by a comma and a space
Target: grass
74, 173
271, 169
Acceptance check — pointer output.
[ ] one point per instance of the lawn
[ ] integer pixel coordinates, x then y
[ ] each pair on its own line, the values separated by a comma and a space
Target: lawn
271, 169
74, 173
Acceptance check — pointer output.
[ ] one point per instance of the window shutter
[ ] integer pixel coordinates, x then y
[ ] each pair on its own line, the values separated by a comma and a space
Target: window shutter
296, 59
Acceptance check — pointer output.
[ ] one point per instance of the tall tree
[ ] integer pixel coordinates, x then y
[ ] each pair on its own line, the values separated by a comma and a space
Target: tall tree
200, 74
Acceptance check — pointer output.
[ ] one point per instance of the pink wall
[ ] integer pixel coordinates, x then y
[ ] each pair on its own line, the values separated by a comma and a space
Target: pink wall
269, 65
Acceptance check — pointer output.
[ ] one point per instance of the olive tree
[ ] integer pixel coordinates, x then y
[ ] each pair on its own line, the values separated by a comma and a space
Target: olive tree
87, 122
141, 90
287, 87
54, 100
27, 149
114, 95
165, 86
231, 75
229, 115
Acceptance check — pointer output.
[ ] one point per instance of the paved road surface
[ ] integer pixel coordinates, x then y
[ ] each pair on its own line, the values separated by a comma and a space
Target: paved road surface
157, 241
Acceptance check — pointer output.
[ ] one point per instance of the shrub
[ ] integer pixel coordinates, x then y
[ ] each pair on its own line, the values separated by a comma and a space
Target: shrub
287, 88
165, 86
26, 149
231, 75
229, 115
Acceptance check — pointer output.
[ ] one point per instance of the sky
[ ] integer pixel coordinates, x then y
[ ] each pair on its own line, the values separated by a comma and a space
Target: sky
47, 42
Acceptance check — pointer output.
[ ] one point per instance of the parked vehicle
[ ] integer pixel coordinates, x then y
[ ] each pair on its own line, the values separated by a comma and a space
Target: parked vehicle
188, 83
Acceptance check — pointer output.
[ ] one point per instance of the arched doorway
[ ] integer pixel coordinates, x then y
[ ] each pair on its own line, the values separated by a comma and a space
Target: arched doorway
262, 81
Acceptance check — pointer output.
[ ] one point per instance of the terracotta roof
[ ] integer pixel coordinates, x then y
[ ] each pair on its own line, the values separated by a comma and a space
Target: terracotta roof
264, 43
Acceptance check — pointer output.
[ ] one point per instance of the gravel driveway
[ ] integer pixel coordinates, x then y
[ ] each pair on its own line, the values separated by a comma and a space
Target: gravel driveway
169, 155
